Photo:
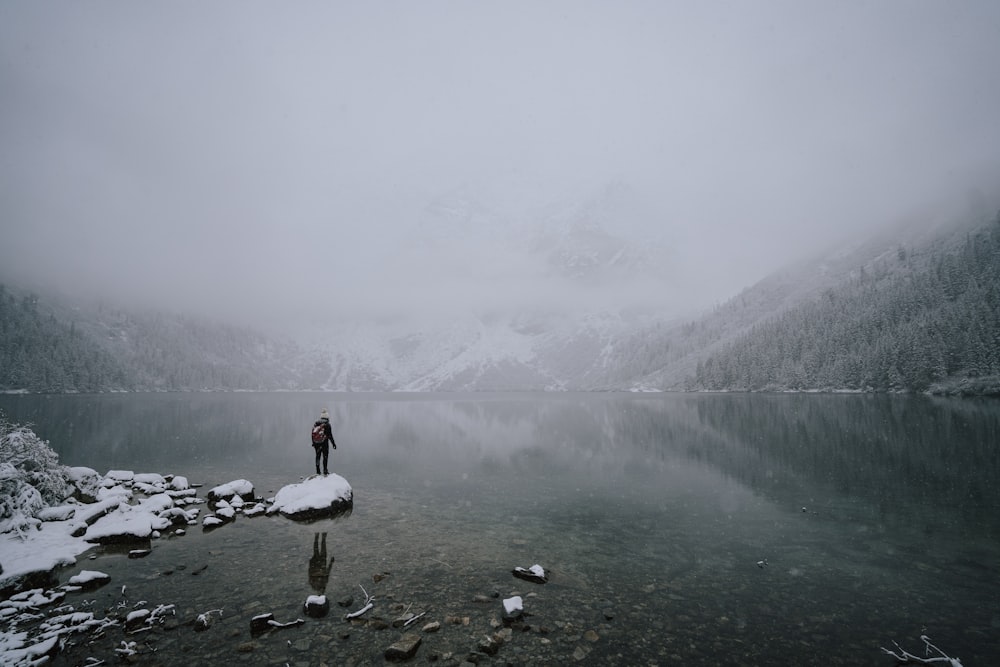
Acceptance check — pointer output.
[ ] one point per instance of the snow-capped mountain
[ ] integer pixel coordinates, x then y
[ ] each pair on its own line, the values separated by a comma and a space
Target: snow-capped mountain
523, 352
543, 291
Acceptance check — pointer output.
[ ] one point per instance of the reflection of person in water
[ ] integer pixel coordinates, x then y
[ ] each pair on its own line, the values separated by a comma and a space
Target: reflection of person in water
319, 569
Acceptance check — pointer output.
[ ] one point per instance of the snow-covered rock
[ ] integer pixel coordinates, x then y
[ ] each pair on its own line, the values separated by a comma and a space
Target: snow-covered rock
319, 496
121, 527
179, 483
120, 476
239, 487
89, 579
150, 478
316, 606
87, 482
58, 513
513, 604
535, 573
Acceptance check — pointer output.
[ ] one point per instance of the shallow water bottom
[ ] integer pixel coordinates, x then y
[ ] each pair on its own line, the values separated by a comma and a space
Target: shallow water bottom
674, 589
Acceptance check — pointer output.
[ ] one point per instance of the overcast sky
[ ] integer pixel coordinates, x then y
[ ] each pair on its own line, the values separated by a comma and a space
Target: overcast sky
264, 156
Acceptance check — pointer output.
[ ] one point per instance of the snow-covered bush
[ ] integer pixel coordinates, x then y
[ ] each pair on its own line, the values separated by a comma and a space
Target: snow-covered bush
30, 477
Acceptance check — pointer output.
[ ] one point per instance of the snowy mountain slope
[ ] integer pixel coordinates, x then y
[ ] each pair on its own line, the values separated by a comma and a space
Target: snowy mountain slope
470, 354
526, 295
665, 356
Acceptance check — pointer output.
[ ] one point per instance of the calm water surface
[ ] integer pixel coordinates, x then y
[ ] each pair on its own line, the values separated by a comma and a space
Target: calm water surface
878, 519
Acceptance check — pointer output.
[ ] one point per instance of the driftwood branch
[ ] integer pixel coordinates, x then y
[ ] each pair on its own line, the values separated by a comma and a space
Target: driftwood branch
369, 603
905, 657
413, 619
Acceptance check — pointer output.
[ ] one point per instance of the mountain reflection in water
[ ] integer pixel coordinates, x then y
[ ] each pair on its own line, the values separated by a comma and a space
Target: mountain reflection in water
698, 529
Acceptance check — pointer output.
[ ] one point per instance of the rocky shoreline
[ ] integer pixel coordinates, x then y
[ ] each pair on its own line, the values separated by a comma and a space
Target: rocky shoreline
94, 617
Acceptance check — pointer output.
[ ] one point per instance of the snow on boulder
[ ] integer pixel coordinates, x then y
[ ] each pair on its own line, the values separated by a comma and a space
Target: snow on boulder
179, 483
120, 475
115, 491
153, 478
86, 483
89, 579
513, 609
513, 604
178, 516
122, 527
535, 573
258, 508
157, 503
316, 606
317, 497
239, 487
58, 513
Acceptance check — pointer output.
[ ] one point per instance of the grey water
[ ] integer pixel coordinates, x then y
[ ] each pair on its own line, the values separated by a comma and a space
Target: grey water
675, 528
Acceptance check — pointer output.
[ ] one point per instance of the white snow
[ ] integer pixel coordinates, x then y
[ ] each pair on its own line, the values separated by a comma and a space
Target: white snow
134, 524
87, 576
510, 605
179, 483
59, 513
133, 616
87, 480
151, 478
239, 487
42, 550
120, 475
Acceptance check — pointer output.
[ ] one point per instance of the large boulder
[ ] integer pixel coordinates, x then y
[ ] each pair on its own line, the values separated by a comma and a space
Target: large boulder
238, 487
122, 527
86, 483
317, 497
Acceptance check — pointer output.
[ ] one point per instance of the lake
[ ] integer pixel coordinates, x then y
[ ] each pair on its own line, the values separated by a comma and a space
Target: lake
675, 528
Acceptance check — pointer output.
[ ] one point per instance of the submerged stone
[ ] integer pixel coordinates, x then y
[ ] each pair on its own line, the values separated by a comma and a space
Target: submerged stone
404, 648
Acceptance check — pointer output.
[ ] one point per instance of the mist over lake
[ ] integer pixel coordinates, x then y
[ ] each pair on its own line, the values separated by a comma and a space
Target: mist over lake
698, 529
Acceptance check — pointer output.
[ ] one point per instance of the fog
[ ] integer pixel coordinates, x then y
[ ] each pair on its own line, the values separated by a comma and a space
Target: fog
278, 163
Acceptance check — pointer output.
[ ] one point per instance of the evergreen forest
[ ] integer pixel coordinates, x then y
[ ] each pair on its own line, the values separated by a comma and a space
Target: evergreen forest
49, 347
910, 321
890, 316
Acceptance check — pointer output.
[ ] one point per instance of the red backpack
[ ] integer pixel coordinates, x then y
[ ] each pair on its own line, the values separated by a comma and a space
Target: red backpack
319, 433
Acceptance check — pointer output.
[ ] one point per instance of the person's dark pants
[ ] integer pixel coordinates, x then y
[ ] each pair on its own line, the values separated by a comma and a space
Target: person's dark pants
323, 451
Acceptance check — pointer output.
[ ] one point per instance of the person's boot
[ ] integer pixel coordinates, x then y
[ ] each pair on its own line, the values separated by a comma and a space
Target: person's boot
317, 470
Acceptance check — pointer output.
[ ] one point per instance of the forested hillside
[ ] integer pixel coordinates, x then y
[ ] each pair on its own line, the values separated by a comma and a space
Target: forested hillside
666, 355
39, 353
918, 313
49, 346
911, 320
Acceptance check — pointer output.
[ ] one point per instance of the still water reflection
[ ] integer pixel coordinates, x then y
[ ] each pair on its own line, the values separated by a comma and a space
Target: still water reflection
878, 517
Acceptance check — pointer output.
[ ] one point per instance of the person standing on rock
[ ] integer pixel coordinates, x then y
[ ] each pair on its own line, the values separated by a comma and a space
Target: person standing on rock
322, 439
